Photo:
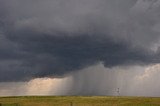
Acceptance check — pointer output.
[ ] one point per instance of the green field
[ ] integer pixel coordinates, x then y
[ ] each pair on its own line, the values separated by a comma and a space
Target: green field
78, 101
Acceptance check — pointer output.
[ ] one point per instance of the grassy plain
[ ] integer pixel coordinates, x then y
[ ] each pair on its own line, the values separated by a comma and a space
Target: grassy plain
78, 101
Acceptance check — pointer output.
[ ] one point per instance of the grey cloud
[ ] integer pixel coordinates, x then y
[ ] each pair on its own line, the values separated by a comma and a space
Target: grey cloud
52, 38
117, 19
47, 55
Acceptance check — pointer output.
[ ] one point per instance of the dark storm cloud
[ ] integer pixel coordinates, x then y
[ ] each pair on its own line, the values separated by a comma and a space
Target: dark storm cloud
47, 55
52, 38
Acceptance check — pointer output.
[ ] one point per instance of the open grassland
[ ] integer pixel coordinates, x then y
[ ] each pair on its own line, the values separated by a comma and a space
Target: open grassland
78, 101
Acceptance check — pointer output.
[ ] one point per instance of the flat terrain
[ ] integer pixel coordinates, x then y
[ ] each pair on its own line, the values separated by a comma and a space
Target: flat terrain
78, 101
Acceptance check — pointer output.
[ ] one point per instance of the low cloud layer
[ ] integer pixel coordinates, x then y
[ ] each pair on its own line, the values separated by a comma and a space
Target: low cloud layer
54, 38
94, 80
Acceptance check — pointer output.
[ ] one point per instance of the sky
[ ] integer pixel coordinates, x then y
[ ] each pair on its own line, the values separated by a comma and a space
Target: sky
80, 47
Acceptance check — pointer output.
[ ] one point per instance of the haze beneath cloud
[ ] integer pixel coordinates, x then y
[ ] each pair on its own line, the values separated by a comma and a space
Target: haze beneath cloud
131, 81
79, 47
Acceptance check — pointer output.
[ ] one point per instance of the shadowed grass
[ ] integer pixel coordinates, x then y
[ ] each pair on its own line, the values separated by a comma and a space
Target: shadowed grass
79, 101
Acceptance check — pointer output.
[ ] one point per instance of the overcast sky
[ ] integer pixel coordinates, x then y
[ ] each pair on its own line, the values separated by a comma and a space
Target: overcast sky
76, 43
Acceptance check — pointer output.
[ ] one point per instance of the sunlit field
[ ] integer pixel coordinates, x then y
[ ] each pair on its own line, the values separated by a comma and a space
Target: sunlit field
79, 101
